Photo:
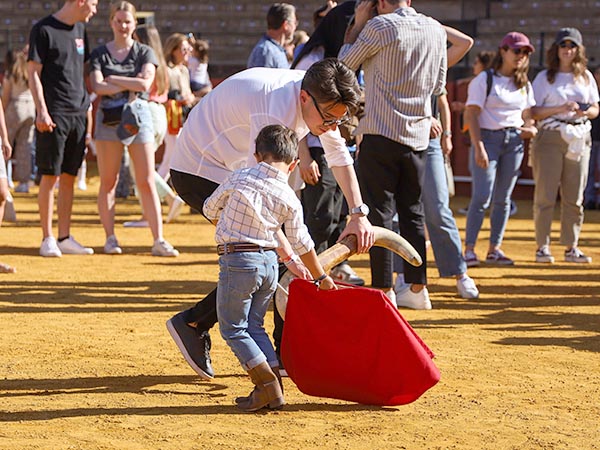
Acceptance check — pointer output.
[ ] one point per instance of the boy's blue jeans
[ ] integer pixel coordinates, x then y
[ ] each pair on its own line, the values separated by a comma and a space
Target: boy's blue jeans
247, 281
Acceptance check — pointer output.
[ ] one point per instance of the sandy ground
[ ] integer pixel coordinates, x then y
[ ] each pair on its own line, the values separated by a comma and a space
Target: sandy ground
86, 361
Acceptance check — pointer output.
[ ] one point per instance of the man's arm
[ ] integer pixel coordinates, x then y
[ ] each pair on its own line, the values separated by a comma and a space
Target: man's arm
353, 53
461, 44
43, 121
358, 225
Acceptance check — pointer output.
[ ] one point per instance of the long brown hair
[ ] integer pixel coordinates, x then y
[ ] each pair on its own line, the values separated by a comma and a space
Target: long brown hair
578, 66
148, 34
171, 44
520, 78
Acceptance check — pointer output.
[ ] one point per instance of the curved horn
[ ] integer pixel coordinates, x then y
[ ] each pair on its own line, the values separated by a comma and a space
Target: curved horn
343, 250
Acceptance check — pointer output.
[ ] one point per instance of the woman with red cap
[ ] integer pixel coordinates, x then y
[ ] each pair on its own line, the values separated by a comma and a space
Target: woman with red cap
499, 117
566, 97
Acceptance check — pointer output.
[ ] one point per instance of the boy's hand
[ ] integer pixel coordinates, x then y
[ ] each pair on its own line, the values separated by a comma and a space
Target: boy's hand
327, 284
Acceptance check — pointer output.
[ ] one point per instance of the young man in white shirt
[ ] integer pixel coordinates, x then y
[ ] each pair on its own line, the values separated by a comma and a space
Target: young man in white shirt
218, 138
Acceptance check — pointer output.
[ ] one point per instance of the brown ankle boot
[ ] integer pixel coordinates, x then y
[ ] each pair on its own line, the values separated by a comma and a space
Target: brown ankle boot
276, 372
267, 391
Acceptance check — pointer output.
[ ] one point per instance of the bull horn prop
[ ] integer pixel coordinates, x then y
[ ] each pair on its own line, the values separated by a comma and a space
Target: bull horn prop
343, 250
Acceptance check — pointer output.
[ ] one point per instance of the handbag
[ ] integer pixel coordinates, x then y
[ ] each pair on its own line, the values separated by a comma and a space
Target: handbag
353, 344
112, 116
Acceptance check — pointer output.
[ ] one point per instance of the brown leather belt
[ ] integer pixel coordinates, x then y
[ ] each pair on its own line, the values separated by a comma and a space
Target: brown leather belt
224, 249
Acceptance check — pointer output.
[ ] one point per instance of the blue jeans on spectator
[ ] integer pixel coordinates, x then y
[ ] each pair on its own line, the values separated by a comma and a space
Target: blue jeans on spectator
247, 282
591, 195
494, 184
443, 232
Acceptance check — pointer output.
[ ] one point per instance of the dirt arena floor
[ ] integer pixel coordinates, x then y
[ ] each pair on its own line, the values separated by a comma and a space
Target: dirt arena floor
86, 361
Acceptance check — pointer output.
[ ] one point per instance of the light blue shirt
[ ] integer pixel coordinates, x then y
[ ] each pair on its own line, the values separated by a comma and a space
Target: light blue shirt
268, 53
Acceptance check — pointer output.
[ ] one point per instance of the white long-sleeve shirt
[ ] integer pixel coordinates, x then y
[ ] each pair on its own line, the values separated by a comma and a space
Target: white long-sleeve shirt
218, 136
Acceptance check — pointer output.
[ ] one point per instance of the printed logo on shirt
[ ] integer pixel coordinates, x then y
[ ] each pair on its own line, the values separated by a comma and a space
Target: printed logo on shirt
80, 45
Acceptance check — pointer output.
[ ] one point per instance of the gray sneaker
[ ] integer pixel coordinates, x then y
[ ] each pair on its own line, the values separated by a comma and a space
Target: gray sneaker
194, 346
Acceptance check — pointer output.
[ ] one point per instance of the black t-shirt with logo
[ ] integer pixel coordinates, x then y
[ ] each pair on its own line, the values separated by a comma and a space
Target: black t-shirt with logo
62, 50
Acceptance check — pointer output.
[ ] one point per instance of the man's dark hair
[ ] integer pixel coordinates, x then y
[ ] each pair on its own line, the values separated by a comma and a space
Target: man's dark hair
278, 13
330, 80
277, 143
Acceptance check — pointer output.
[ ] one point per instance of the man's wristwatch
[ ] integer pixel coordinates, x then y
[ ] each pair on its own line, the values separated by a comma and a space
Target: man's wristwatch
362, 210
447, 133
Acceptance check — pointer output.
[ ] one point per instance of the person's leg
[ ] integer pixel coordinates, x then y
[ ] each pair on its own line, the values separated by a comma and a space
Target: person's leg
378, 174
572, 184
142, 156
547, 166
4, 192
443, 232
46, 203
507, 173
189, 328
481, 187
108, 155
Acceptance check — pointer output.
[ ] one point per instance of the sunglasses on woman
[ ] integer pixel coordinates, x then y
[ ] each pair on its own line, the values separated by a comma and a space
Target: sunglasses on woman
520, 51
567, 44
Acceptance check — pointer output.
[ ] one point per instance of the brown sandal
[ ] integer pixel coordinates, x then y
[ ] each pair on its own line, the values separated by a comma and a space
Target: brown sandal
5, 268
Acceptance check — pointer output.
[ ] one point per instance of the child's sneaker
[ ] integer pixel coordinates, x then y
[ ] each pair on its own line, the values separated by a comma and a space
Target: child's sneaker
471, 258
542, 255
576, 256
498, 257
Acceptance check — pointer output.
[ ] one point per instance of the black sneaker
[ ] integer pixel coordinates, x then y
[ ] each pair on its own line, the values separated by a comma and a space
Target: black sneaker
193, 345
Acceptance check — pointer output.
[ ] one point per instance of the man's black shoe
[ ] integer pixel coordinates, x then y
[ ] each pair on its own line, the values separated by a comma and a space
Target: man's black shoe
193, 345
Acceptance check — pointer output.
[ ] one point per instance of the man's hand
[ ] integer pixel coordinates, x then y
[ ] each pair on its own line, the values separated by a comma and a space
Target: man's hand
327, 284
309, 171
362, 228
481, 157
44, 123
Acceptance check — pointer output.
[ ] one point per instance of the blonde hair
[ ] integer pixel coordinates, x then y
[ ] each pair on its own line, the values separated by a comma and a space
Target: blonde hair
122, 6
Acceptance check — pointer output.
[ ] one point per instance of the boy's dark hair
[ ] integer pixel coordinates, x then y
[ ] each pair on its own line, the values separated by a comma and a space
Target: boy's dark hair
277, 143
330, 80
278, 14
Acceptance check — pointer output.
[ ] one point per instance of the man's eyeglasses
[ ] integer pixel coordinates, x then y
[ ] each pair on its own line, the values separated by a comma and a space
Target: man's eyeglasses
520, 51
567, 44
329, 122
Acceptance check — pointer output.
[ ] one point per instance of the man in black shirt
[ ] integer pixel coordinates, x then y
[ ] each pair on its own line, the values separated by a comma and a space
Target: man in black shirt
58, 49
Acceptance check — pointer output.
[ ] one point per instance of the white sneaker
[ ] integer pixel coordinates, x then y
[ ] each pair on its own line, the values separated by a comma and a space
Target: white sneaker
175, 209
163, 248
543, 255
49, 248
111, 246
414, 300
576, 256
136, 224
70, 246
466, 287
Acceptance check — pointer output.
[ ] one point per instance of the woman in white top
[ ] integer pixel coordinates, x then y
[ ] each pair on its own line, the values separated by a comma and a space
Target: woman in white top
499, 118
566, 98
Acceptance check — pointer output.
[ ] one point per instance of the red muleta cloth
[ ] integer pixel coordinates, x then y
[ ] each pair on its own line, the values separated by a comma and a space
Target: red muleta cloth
353, 344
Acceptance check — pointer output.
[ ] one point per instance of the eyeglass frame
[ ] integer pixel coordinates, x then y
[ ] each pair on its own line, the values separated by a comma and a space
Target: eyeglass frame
327, 123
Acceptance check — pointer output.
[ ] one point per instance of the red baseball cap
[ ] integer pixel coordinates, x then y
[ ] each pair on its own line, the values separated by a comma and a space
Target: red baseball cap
515, 40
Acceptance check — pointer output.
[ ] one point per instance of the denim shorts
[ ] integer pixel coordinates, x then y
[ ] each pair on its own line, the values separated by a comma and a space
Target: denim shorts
144, 136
